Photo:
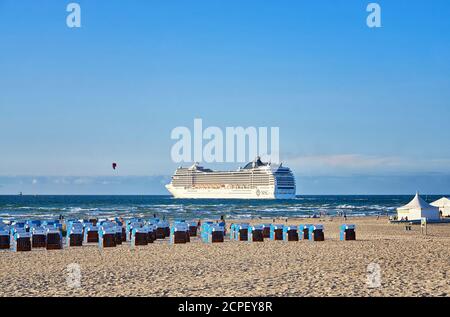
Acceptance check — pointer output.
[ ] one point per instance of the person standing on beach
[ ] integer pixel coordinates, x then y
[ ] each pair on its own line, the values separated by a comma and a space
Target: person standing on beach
345, 215
223, 224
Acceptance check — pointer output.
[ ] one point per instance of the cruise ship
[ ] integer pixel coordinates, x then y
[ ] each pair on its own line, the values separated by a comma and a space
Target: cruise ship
257, 180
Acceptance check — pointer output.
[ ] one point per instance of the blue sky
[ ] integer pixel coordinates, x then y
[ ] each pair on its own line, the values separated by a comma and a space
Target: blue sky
351, 102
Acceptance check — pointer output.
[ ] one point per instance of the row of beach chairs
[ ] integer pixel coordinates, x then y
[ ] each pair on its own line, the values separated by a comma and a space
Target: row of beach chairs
213, 232
27, 235
257, 233
34, 234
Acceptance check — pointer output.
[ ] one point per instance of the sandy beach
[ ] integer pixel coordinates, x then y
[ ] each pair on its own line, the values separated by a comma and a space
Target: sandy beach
411, 264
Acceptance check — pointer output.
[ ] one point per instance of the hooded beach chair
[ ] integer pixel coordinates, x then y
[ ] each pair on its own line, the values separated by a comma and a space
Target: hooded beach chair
90, 233
216, 233
276, 232
162, 230
179, 233
22, 240
139, 236
241, 232
212, 233
38, 237
107, 236
5, 238
316, 233
347, 232
255, 233
290, 233
266, 230
54, 239
75, 234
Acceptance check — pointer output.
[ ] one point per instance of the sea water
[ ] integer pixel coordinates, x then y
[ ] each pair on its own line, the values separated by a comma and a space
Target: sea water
44, 207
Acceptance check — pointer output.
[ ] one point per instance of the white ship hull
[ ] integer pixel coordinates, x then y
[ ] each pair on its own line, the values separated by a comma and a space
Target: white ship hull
262, 192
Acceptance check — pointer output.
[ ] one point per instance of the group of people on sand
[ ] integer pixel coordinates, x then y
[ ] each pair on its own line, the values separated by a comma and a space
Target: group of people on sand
395, 218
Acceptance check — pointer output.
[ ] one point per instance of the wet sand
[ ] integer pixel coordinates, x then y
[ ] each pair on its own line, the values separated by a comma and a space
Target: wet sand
411, 264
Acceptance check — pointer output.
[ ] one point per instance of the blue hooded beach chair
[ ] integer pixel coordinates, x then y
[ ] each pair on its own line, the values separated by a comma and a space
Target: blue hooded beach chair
5, 237
276, 232
54, 240
212, 233
107, 236
90, 233
241, 232
38, 237
75, 234
316, 233
139, 236
347, 232
255, 233
290, 233
22, 240
179, 233
162, 229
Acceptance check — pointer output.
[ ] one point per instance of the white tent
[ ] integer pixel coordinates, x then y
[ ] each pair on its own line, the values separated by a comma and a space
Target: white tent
417, 209
444, 206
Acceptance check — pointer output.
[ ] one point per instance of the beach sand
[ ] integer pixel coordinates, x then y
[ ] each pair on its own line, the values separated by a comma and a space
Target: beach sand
411, 264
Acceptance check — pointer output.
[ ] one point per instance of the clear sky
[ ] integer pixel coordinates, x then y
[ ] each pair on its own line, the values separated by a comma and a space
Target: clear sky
351, 102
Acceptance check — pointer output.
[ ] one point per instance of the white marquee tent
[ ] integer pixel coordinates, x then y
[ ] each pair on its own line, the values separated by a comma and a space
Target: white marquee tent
444, 206
417, 209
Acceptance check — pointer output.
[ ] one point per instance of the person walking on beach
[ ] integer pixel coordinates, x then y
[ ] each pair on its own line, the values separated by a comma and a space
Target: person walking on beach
223, 224
345, 215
